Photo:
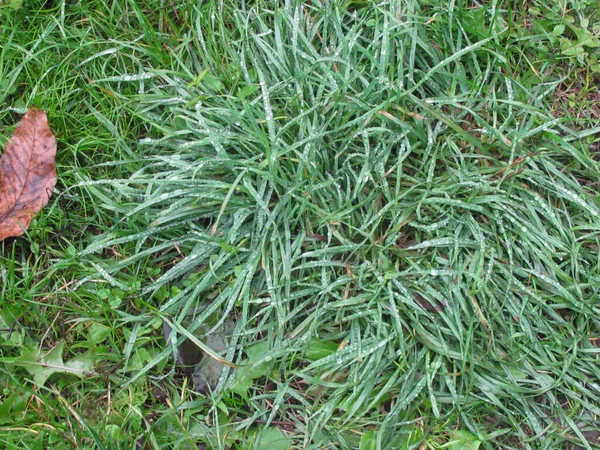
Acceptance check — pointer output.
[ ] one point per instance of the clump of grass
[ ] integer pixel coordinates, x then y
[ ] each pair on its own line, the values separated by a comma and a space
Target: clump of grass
380, 197
373, 184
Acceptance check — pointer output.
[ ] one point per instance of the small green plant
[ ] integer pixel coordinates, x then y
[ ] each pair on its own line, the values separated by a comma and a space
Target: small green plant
572, 29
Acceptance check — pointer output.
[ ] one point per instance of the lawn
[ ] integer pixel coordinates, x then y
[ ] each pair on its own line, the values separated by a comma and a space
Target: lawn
389, 210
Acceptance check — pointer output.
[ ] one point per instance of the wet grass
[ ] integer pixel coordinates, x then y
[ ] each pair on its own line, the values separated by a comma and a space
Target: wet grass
392, 202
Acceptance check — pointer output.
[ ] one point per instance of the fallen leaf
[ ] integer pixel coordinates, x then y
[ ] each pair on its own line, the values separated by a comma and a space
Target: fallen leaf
27, 173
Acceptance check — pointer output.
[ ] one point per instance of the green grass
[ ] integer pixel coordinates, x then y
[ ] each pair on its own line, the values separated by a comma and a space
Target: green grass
395, 202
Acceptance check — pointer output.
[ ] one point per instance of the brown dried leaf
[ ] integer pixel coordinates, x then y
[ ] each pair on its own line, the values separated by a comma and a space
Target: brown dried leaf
27, 173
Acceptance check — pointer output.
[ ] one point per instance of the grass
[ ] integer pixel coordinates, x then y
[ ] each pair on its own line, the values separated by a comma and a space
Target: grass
395, 203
